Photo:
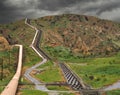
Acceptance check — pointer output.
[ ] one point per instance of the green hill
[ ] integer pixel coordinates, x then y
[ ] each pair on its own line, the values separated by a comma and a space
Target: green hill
68, 37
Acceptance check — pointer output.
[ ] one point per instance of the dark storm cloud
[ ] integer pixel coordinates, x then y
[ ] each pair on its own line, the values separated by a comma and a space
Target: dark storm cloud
103, 7
58, 4
109, 7
11, 10
55, 4
8, 13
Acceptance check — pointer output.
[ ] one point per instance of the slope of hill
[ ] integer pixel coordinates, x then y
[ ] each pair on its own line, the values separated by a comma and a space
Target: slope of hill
4, 45
18, 32
11, 34
64, 37
78, 35
69, 35
8, 61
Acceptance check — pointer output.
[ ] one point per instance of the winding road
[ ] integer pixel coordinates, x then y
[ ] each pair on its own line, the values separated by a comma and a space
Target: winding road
113, 86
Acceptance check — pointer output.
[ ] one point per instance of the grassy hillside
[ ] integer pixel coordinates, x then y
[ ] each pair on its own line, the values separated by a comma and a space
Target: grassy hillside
19, 33
71, 38
98, 72
83, 39
16, 33
113, 92
8, 61
67, 37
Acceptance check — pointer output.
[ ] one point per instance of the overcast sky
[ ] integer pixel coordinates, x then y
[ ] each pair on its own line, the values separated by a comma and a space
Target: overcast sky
11, 10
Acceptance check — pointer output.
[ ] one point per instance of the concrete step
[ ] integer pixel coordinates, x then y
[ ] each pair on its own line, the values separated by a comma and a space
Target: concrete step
72, 77
68, 75
74, 82
70, 80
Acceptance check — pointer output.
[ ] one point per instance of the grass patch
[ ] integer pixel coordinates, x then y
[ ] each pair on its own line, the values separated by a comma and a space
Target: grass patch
30, 57
29, 90
37, 92
1, 89
49, 75
60, 88
113, 92
99, 72
64, 54
47, 64
33, 92
58, 52
4, 82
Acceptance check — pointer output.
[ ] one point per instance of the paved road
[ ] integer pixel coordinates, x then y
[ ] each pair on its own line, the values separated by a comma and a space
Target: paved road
28, 71
11, 88
33, 80
113, 86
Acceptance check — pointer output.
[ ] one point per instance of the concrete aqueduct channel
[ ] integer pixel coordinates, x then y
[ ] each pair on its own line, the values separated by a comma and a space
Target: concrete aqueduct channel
35, 46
